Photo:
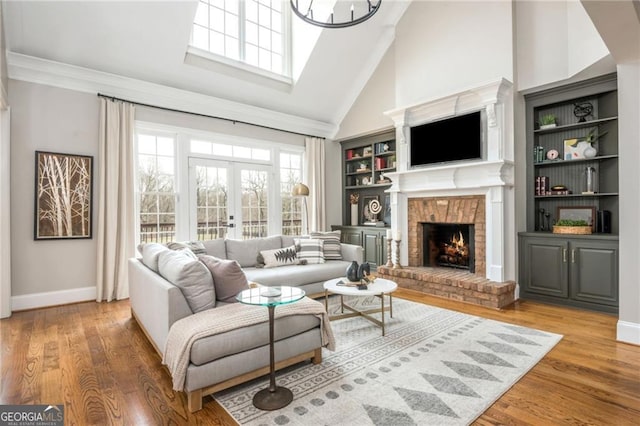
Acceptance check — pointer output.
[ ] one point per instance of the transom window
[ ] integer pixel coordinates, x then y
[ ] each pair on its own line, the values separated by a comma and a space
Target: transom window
250, 31
226, 150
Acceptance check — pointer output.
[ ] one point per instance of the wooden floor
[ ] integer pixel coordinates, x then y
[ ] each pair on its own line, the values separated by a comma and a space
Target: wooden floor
94, 359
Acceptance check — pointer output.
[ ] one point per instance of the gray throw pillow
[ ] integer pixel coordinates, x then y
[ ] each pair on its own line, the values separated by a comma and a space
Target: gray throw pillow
191, 276
246, 251
331, 248
197, 247
310, 250
228, 277
150, 253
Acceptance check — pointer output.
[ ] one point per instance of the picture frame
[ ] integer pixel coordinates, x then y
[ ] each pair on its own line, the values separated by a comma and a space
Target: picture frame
63, 196
586, 213
366, 151
574, 148
370, 217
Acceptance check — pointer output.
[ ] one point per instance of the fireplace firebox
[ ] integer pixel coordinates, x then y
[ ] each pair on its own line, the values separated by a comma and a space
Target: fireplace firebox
448, 245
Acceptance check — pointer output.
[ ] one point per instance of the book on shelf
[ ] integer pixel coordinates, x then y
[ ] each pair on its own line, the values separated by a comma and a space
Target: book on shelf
380, 163
542, 185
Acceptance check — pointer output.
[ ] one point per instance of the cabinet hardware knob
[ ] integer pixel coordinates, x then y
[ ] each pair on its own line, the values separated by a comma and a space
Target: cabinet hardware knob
564, 255
573, 256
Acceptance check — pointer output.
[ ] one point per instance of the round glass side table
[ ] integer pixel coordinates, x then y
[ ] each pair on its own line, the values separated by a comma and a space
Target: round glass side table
274, 397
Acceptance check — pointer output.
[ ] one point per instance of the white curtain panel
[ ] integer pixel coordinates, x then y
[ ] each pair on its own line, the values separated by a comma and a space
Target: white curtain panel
315, 179
116, 200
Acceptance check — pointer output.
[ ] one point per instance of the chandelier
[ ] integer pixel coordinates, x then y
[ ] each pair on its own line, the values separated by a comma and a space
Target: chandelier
343, 16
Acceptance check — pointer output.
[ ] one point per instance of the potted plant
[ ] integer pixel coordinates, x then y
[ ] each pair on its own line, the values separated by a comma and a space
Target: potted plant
569, 226
547, 121
591, 138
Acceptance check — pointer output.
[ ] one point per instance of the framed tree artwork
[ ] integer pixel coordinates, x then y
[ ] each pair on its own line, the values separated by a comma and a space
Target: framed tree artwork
63, 196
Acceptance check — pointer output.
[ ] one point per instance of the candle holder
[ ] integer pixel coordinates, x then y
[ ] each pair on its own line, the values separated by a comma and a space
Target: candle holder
389, 263
396, 261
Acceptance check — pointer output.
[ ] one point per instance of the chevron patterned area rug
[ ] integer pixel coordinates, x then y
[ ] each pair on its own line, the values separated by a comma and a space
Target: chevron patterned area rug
433, 367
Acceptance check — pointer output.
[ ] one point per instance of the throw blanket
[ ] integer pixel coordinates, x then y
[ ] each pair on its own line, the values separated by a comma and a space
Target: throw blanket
183, 333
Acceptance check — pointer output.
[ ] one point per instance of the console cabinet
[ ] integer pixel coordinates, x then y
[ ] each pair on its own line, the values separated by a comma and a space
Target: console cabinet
373, 240
576, 270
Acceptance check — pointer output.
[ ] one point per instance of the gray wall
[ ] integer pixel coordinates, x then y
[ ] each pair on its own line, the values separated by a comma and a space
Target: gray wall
48, 119
45, 118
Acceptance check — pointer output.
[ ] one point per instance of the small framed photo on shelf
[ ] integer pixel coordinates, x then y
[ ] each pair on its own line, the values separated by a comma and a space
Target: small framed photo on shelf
586, 213
366, 151
574, 148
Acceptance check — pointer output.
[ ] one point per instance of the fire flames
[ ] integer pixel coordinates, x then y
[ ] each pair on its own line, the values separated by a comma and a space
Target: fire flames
456, 251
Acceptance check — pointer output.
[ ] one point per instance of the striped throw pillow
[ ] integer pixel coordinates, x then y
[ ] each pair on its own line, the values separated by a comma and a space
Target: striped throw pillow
310, 250
332, 249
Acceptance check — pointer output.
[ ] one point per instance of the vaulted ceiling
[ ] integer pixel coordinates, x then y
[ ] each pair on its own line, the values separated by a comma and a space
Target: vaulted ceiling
148, 40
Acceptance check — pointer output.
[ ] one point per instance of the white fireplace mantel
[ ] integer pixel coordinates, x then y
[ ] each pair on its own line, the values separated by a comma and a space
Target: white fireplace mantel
492, 176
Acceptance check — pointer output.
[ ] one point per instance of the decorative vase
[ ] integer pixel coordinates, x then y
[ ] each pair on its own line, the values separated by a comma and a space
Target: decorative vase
363, 270
590, 151
354, 215
352, 271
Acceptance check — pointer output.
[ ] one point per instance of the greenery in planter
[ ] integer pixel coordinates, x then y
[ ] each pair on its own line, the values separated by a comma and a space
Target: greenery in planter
547, 119
570, 222
593, 136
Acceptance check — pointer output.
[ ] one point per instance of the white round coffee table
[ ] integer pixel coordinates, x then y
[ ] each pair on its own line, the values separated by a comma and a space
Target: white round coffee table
379, 288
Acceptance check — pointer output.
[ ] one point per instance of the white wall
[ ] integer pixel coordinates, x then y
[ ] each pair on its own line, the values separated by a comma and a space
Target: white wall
379, 94
556, 40
444, 47
5, 169
629, 135
48, 119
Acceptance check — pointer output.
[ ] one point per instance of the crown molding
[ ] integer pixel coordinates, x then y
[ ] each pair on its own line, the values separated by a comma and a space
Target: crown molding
481, 96
72, 77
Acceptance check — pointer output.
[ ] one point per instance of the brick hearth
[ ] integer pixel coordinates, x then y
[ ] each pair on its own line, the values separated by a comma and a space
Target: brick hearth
452, 284
447, 282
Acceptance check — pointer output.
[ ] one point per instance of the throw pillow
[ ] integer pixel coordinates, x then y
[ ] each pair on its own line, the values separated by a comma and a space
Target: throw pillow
279, 257
332, 249
246, 251
310, 250
150, 253
191, 276
228, 277
195, 246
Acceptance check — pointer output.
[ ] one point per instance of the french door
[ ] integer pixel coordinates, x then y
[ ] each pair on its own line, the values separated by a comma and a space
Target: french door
228, 199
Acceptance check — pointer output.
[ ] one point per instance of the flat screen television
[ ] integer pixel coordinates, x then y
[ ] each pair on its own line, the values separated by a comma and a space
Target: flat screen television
453, 139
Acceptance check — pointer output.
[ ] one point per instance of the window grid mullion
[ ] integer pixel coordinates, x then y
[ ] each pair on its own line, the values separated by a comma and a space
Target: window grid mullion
242, 28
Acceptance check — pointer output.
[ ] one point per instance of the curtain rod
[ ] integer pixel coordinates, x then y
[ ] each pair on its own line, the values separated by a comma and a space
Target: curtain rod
113, 98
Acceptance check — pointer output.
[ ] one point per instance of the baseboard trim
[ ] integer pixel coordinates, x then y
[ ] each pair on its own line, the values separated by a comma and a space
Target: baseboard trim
628, 332
52, 298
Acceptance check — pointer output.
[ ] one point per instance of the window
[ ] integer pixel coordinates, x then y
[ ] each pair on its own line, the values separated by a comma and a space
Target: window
227, 150
290, 174
205, 186
156, 187
249, 31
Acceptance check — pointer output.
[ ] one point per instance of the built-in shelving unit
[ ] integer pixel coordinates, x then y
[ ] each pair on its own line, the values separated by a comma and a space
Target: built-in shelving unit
577, 270
365, 162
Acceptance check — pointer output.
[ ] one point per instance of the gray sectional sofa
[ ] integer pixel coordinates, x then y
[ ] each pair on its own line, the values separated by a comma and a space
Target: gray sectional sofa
221, 361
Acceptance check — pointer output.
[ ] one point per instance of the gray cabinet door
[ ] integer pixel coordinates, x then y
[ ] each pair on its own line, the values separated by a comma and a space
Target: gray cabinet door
352, 237
544, 263
371, 243
594, 271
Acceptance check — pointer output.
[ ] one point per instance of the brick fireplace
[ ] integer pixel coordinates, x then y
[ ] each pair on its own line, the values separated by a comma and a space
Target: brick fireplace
446, 210
478, 193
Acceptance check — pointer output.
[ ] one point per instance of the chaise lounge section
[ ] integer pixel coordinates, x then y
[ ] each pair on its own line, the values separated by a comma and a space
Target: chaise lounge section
223, 360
